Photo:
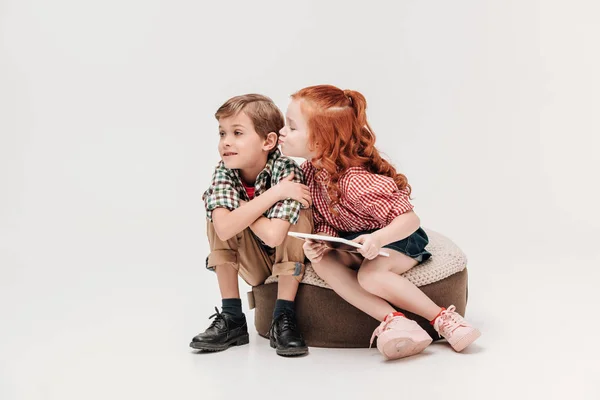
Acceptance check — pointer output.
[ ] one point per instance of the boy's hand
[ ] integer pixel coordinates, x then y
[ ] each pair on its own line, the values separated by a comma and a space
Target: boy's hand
371, 246
287, 189
314, 251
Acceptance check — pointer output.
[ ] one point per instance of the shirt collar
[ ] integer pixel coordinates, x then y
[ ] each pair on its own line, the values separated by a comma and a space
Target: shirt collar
265, 174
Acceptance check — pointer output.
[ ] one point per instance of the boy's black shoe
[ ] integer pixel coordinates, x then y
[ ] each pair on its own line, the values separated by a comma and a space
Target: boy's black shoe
223, 332
285, 336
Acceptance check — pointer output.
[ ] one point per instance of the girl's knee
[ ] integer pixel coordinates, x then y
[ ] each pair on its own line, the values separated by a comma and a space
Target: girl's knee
369, 277
321, 268
318, 268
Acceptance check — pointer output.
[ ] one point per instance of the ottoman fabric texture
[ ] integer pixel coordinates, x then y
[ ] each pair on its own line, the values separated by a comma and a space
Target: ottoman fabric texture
447, 259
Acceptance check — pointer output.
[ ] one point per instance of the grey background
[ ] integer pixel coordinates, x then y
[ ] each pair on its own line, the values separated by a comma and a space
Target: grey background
108, 140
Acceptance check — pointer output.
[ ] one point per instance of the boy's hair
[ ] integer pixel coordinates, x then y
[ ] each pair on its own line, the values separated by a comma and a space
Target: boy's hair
265, 115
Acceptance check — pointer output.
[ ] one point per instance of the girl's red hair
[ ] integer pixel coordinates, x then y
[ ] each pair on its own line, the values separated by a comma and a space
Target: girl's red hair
341, 136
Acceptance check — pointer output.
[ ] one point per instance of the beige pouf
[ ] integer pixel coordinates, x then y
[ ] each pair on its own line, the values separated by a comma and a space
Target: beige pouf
326, 320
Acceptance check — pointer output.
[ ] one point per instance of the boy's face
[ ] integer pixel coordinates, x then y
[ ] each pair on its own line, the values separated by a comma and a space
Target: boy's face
293, 137
240, 146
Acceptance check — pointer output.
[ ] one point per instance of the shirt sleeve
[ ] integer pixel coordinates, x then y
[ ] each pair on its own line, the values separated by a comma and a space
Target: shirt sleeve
288, 209
321, 225
378, 197
221, 192
308, 171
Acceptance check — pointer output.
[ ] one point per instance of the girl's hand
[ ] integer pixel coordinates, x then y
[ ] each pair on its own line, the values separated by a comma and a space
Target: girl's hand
371, 246
288, 189
314, 251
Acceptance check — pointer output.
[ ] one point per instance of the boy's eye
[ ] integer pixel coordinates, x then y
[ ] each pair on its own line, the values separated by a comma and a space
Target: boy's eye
221, 134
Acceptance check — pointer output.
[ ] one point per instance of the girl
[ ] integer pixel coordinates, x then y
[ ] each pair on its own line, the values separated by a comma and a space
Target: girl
359, 196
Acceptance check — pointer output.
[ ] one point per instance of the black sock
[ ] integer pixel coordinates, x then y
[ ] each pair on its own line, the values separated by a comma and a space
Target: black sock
233, 307
283, 305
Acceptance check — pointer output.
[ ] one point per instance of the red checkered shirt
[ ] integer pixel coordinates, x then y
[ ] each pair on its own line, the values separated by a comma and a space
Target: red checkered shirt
368, 201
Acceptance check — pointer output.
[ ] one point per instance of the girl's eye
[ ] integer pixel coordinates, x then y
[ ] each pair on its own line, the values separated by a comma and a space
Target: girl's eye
238, 132
221, 134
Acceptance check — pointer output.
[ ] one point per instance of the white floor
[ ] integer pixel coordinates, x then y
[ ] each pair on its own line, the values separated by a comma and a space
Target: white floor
121, 330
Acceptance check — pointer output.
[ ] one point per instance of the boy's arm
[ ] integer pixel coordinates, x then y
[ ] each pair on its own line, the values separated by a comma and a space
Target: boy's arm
229, 223
271, 231
226, 210
273, 228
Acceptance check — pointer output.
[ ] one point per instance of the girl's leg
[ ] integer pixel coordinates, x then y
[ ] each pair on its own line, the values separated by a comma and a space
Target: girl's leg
381, 277
397, 336
334, 269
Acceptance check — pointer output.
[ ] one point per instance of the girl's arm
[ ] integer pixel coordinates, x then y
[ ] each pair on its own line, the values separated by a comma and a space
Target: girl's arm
400, 228
378, 197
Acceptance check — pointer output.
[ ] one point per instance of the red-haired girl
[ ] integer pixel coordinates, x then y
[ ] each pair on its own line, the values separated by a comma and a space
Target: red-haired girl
360, 196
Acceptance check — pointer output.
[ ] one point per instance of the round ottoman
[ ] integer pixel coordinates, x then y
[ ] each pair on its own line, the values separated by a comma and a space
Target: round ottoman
327, 320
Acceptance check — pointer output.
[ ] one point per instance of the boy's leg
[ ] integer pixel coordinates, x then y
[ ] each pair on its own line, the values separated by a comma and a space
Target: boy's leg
287, 287
289, 266
227, 276
229, 327
289, 257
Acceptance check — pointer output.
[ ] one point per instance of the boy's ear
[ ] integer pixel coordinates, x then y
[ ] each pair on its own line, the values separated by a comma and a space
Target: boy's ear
270, 141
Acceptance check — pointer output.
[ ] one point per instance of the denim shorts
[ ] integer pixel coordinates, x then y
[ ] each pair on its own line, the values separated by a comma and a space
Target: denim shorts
413, 245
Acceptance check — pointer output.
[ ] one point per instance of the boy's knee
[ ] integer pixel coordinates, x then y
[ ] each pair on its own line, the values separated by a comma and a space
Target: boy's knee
254, 280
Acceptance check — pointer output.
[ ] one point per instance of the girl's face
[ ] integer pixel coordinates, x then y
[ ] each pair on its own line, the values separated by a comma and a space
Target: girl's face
293, 137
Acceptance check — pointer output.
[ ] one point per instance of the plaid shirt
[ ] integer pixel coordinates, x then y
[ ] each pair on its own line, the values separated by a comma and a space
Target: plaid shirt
226, 189
368, 201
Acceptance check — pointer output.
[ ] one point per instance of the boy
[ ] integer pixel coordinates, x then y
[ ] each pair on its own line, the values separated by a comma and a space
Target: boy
255, 197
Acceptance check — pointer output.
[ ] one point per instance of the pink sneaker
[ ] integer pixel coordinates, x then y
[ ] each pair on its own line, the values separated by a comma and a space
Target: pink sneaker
398, 336
458, 332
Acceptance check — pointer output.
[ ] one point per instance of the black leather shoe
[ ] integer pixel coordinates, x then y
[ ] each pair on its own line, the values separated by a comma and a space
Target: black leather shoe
223, 332
285, 336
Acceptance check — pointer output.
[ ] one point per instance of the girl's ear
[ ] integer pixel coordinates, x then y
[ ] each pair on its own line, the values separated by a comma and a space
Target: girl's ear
270, 141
